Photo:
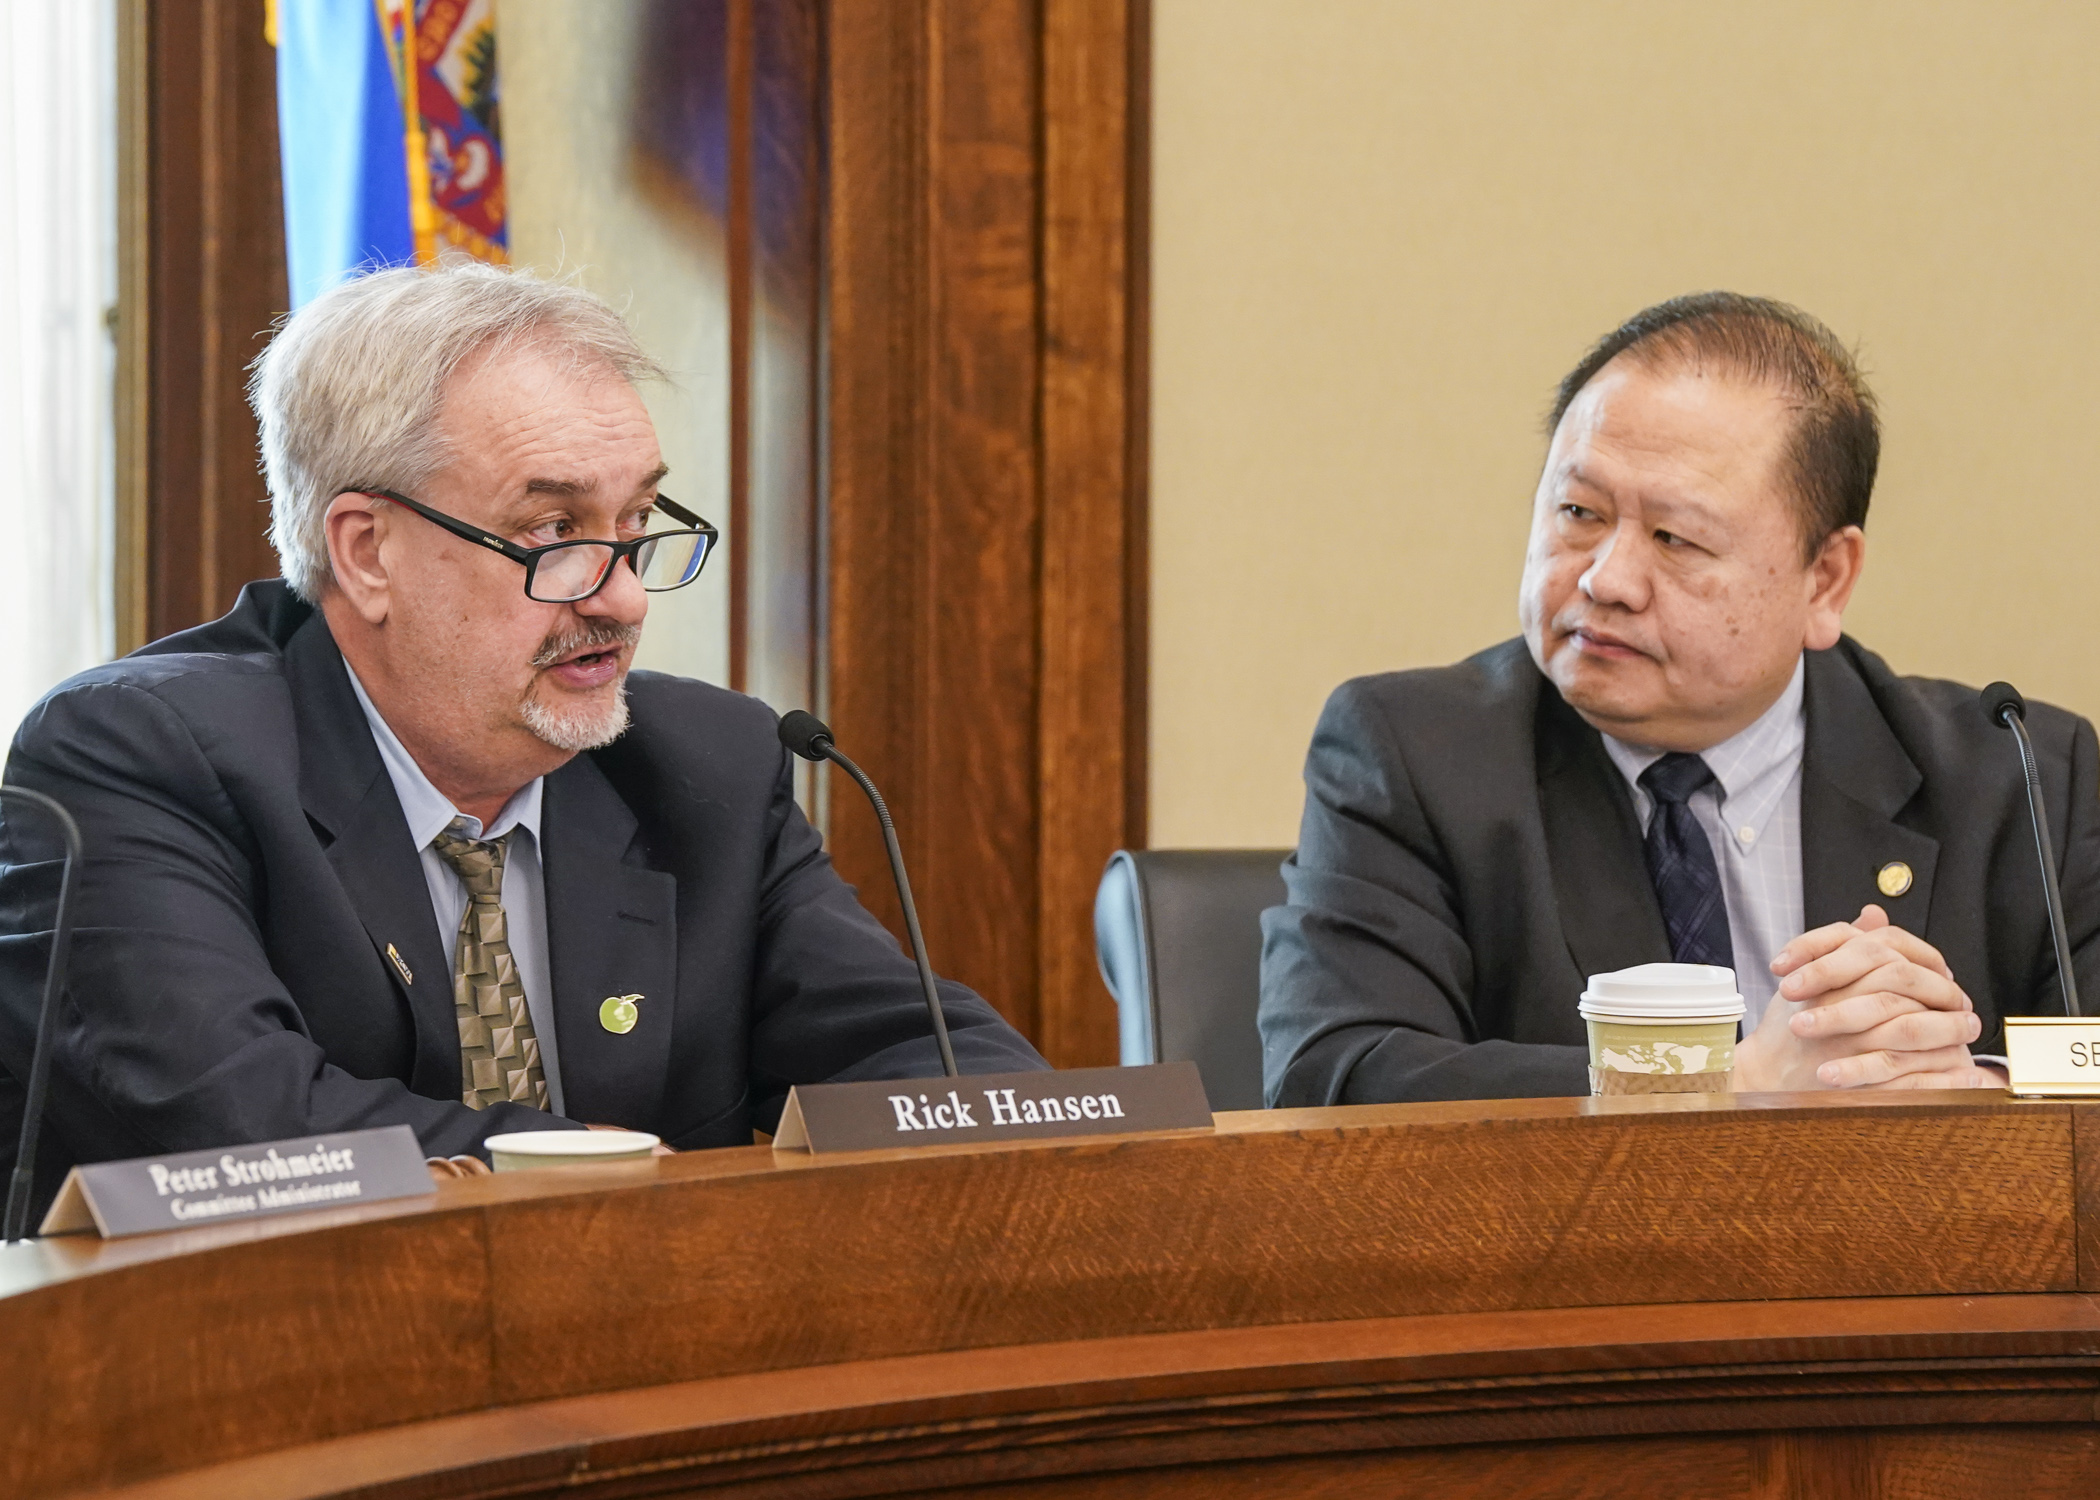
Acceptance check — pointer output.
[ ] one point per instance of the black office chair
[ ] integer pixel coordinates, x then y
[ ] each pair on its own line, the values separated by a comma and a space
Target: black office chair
1178, 936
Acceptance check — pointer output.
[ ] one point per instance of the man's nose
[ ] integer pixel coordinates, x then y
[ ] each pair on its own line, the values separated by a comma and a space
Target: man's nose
621, 598
1618, 570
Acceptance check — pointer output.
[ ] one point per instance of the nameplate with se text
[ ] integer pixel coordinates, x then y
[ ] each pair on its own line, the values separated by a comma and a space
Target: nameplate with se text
2053, 1055
993, 1107
150, 1193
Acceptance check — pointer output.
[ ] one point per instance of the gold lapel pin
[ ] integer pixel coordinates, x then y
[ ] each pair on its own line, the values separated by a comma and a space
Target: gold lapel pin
618, 1013
1893, 878
400, 964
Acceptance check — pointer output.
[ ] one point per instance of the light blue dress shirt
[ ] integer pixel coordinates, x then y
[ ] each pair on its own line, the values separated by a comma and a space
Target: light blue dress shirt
1751, 812
429, 813
1752, 817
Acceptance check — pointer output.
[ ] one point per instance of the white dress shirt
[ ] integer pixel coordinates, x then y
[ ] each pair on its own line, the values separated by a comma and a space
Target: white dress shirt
429, 813
1751, 812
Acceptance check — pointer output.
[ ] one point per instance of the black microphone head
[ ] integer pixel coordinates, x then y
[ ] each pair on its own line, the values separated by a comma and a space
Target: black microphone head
2001, 698
805, 734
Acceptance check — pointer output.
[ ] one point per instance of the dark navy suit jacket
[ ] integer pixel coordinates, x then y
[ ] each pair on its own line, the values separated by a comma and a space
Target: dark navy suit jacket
248, 866
1470, 853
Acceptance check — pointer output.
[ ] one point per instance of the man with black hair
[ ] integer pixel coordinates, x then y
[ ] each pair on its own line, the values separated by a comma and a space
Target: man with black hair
1683, 757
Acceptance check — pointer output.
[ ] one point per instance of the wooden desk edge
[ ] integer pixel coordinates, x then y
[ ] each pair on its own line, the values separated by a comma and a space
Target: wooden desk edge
28, 1266
1568, 1351
553, 1230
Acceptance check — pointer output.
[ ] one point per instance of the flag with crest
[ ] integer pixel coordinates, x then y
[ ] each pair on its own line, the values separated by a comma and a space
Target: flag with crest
389, 135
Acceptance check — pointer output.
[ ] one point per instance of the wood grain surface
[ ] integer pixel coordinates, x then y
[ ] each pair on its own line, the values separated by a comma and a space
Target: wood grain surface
1370, 1292
1362, 1221
935, 506
984, 515
2086, 1129
1092, 503
214, 279
1299, 1407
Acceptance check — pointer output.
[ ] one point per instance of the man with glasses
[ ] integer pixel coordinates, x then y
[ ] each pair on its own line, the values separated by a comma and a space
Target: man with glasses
401, 839
1684, 757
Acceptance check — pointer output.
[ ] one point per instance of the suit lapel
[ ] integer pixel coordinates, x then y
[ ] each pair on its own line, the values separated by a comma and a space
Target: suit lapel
611, 931
1855, 779
347, 795
1608, 908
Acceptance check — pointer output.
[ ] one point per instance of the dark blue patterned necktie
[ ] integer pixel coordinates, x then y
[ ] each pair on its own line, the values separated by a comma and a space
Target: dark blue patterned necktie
1681, 863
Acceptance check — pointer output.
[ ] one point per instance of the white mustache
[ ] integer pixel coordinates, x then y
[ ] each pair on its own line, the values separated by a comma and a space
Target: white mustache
599, 635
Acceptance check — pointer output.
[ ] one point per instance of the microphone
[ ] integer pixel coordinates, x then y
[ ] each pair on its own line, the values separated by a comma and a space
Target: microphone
2003, 705
15, 1225
806, 734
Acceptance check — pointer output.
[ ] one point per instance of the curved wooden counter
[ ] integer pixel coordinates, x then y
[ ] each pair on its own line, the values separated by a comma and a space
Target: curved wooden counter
1765, 1296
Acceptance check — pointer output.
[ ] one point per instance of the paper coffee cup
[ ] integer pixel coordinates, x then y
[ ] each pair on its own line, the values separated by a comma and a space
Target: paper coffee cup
1662, 1029
566, 1148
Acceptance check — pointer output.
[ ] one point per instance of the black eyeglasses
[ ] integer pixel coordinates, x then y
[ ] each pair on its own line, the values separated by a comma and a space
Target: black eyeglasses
567, 572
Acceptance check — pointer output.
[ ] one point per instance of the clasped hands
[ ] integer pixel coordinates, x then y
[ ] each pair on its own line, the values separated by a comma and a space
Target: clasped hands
1863, 1004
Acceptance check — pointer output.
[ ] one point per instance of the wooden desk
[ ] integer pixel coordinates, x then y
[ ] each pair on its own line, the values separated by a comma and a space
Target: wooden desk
1771, 1296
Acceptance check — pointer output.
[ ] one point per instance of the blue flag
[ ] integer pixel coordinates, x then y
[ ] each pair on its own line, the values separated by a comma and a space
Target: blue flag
339, 124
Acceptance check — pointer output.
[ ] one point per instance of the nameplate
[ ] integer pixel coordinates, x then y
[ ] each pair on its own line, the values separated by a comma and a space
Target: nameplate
993, 1107
151, 1193
2053, 1055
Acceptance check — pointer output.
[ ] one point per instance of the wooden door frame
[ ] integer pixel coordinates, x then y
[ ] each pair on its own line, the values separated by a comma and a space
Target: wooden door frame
985, 467
201, 277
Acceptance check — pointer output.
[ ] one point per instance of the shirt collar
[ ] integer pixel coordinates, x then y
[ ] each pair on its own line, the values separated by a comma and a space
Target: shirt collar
1746, 761
429, 811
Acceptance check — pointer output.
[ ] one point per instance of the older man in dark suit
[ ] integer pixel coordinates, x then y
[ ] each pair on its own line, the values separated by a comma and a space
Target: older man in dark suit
1683, 757
400, 840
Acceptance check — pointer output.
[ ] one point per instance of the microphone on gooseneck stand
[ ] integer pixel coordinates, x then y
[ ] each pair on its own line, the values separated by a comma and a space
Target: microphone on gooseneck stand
806, 735
15, 1226
2002, 704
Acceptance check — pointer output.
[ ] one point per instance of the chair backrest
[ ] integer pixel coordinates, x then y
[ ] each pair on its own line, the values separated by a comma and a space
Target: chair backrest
1178, 936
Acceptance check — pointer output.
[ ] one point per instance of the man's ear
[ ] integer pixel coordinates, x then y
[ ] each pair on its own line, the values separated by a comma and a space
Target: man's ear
1832, 577
356, 528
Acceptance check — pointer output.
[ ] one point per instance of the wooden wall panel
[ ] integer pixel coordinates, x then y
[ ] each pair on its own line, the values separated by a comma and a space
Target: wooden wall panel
985, 646
975, 768
1091, 726
875, 300
213, 257
933, 500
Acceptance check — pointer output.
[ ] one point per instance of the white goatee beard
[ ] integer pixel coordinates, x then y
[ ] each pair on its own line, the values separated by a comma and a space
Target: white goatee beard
590, 724
587, 726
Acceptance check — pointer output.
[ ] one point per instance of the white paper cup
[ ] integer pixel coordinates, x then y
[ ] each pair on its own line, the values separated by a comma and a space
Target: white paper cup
524, 1149
1662, 1029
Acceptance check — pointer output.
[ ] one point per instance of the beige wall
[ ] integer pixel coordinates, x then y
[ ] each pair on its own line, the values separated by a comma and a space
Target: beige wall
1383, 230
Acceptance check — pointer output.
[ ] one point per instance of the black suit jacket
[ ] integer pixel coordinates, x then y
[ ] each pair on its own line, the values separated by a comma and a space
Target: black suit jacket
1470, 855
248, 865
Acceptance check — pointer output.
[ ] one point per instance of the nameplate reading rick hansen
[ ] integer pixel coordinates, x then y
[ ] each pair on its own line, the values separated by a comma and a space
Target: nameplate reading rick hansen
993, 1107
151, 1193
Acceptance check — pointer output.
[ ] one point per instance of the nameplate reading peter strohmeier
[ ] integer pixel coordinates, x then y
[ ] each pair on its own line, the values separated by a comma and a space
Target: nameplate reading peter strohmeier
151, 1193
993, 1107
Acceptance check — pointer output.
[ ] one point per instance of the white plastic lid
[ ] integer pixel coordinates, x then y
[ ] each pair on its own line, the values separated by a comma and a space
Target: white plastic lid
1664, 992
572, 1143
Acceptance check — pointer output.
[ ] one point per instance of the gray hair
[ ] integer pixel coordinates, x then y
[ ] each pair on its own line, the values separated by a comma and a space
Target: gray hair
349, 391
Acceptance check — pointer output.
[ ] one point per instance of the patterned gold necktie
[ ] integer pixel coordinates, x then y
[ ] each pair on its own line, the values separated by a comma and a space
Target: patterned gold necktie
499, 1057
